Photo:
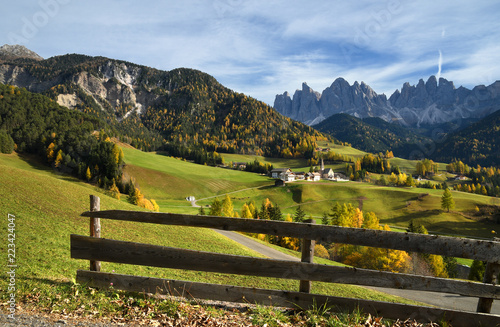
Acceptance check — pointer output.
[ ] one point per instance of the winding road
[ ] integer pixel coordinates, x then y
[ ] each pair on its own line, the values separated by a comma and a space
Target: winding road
442, 300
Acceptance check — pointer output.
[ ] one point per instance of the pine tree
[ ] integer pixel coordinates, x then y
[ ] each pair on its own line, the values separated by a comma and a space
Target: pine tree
299, 215
216, 208
447, 201
201, 212
275, 213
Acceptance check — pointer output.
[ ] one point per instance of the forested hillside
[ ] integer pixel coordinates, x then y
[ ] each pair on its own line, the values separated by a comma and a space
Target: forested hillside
183, 111
476, 144
66, 139
371, 134
202, 113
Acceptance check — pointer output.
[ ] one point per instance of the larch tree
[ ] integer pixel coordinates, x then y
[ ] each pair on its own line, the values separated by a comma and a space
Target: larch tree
227, 207
245, 211
447, 201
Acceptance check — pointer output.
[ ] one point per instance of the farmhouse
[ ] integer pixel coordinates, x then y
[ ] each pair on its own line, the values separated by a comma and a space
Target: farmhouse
289, 177
240, 165
280, 172
313, 177
328, 173
300, 176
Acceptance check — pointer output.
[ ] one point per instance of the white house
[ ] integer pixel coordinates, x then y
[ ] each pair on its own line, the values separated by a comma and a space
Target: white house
313, 177
280, 172
328, 173
289, 177
300, 176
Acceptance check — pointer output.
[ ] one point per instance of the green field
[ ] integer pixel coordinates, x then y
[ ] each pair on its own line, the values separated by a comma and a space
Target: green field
47, 206
163, 178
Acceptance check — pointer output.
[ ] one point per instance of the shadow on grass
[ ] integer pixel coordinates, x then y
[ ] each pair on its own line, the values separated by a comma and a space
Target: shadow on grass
434, 223
406, 217
37, 164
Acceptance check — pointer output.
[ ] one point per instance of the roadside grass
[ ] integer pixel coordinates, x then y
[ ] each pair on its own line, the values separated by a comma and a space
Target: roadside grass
47, 206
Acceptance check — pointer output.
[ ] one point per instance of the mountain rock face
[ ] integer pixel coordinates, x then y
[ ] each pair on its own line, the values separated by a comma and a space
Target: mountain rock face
427, 103
17, 51
110, 83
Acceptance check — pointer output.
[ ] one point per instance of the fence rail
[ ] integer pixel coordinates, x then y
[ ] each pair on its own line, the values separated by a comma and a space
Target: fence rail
97, 249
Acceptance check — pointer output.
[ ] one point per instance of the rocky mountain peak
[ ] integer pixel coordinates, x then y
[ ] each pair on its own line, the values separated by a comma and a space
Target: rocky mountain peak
431, 102
18, 51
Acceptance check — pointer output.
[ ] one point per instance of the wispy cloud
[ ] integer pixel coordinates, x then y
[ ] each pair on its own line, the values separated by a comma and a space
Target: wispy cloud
263, 48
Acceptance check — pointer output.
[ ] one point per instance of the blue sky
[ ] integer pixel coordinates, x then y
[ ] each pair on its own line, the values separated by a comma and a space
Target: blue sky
263, 48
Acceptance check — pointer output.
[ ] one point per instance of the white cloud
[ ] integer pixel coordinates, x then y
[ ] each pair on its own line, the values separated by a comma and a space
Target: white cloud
263, 48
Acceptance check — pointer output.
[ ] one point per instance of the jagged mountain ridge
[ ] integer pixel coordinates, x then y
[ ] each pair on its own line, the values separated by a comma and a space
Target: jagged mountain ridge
427, 103
184, 109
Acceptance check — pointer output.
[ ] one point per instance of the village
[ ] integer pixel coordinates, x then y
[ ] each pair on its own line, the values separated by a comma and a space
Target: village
287, 175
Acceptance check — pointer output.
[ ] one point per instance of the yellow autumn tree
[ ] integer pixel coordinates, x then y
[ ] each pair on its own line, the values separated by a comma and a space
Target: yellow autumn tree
114, 191
368, 257
245, 211
156, 207
227, 207
50, 152
88, 174
59, 159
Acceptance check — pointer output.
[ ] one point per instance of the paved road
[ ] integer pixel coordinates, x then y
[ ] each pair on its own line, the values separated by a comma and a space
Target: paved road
256, 246
443, 300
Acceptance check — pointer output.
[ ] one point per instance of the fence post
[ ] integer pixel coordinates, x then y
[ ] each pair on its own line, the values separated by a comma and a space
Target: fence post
307, 256
490, 276
95, 228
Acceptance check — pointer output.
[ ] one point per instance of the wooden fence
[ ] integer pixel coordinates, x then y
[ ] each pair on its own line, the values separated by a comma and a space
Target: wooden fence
98, 249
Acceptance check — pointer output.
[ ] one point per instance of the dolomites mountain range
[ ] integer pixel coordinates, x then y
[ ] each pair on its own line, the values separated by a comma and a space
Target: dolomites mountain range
111, 84
427, 103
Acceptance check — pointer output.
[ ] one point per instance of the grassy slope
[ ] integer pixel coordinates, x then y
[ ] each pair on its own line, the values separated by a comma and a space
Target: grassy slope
169, 181
393, 206
47, 208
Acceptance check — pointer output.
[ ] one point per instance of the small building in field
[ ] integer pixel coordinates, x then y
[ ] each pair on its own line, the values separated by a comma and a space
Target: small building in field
280, 172
313, 177
279, 182
339, 177
289, 177
239, 165
328, 173
300, 176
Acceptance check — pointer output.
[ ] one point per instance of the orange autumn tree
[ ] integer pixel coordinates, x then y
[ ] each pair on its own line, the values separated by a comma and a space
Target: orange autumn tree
362, 256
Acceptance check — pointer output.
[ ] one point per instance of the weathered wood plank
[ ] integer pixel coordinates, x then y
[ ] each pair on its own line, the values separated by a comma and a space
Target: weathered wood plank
238, 294
307, 257
433, 244
490, 277
83, 247
95, 227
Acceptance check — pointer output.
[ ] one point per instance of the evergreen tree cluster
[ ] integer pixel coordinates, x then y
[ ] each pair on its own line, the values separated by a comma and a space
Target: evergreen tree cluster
202, 114
189, 114
66, 139
483, 180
